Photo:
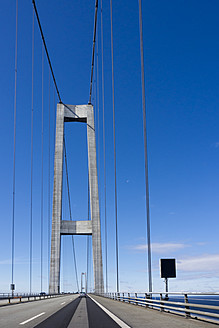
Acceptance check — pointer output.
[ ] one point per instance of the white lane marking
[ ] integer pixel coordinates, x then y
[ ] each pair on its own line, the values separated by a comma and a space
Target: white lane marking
70, 299
63, 303
115, 318
36, 316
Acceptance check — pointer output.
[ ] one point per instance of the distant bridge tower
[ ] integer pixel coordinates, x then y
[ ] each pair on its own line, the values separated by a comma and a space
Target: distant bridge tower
72, 113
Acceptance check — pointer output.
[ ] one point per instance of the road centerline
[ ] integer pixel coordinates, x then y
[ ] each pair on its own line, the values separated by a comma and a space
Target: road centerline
28, 320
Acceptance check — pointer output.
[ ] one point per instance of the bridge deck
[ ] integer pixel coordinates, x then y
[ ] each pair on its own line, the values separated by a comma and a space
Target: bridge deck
71, 311
137, 317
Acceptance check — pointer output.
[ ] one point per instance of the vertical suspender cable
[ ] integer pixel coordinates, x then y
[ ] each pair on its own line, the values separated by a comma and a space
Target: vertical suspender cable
54, 126
69, 202
145, 147
88, 218
41, 257
88, 237
98, 110
98, 123
98, 116
104, 151
88, 261
15, 111
98, 105
49, 183
31, 166
114, 142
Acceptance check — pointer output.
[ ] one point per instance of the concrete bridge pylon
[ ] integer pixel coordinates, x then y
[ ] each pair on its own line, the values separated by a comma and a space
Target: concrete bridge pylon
75, 113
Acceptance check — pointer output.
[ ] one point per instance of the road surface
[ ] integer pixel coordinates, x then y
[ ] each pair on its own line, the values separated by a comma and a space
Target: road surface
73, 311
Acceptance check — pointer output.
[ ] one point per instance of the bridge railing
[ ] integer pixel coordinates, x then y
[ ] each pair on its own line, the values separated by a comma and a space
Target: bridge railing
202, 306
25, 296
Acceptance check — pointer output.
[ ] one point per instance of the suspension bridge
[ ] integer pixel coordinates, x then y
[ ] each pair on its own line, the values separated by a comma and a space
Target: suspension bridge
68, 174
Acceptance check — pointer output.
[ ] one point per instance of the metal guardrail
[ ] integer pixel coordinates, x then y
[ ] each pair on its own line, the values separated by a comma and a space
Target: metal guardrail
190, 305
28, 297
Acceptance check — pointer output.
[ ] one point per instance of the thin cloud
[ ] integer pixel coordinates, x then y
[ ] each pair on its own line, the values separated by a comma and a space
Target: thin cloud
201, 243
216, 144
193, 275
16, 261
19, 261
204, 263
160, 248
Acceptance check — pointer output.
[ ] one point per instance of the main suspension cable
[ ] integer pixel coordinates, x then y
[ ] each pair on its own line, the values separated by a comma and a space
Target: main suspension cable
93, 51
145, 146
47, 53
69, 202
14, 157
114, 143
104, 152
31, 163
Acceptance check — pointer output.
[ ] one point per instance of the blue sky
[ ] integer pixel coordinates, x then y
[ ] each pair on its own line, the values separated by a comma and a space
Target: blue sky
181, 47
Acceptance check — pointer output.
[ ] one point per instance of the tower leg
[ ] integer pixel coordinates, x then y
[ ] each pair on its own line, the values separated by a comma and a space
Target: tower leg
94, 201
54, 282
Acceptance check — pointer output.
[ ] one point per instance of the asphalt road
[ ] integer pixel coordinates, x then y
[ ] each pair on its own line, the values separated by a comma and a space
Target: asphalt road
14, 315
62, 312
97, 318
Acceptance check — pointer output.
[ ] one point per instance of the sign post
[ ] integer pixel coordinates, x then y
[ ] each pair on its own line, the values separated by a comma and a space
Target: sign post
167, 270
12, 289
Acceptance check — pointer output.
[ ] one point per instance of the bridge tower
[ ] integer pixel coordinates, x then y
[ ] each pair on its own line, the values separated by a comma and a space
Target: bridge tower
74, 113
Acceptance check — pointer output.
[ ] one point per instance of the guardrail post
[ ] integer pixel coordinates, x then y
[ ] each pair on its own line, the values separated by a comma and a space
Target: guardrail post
129, 297
136, 296
146, 297
118, 296
161, 303
187, 313
123, 297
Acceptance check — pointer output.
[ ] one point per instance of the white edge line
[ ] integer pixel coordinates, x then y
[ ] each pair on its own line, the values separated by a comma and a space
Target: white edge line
36, 316
115, 318
63, 303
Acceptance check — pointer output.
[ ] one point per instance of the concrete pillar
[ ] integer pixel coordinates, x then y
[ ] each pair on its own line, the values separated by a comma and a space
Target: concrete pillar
94, 202
54, 280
